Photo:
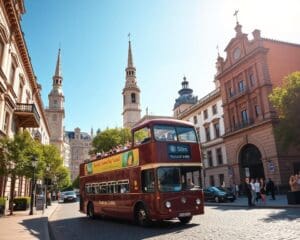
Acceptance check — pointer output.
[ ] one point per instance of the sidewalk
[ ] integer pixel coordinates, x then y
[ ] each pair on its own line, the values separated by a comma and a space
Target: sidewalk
23, 226
279, 202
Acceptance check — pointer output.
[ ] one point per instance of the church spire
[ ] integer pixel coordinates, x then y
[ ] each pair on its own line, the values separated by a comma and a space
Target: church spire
58, 67
130, 60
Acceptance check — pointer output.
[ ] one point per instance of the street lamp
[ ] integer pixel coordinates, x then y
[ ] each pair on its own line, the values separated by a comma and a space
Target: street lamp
46, 182
34, 164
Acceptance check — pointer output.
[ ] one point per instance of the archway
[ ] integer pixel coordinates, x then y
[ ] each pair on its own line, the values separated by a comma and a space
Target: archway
250, 162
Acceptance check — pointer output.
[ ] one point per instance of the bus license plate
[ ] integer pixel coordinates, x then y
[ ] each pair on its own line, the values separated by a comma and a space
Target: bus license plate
185, 214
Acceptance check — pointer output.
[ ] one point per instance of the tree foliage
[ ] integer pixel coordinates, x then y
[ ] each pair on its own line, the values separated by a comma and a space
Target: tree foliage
286, 100
110, 138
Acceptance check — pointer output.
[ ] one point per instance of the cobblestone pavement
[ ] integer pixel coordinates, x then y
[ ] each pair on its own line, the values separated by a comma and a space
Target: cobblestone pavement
218, 222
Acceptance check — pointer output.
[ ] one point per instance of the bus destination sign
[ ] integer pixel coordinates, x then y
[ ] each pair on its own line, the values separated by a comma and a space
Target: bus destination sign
179, 151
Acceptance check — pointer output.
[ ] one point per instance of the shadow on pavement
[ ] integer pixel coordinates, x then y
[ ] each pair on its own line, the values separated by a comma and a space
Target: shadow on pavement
107, 228
283, 215
36, 227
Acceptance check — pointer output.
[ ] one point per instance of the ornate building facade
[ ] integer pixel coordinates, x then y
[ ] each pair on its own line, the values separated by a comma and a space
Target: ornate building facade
247, 76
21, 105
131, 95
207, 116
80, 145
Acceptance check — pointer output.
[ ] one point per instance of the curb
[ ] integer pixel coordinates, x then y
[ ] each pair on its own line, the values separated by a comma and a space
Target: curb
254, 207
49, 229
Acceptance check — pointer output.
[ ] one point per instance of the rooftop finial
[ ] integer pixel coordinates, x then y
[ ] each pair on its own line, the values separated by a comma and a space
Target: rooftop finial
236, 16
218, 50
129, 37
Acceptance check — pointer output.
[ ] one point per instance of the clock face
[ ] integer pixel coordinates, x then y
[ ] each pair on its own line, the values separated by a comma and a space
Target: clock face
236, 53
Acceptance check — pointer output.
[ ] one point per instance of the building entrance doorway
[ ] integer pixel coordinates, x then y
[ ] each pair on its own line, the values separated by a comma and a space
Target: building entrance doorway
250, 162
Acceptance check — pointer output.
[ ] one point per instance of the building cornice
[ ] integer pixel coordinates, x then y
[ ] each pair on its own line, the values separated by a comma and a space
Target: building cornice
16, 31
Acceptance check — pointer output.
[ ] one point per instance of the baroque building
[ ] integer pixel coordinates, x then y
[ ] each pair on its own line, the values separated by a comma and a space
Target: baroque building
131, 95
21, 105
250, 71
80, 145
207, 116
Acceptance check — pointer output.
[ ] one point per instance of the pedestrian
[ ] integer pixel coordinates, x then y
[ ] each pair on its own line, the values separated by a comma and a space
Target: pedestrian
263, 190
253, 193
237, 191
270, 188
257, 190
248, 191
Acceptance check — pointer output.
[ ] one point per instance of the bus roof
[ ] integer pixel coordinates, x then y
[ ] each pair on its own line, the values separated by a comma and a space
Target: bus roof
162, 121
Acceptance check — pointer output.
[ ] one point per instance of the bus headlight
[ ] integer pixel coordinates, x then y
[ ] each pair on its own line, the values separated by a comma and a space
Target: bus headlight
167, 204
198, 201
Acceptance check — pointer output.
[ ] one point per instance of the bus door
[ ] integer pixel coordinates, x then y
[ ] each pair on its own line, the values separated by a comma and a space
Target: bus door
148, 188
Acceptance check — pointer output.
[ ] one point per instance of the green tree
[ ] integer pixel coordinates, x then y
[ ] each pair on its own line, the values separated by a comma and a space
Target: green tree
63, 177
286, 100
75, 183
110, 138
16, 156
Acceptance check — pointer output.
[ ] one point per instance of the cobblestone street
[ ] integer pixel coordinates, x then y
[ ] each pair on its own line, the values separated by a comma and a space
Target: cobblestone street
218, 222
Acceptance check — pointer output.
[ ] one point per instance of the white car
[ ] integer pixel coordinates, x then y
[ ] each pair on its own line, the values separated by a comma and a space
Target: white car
68, 196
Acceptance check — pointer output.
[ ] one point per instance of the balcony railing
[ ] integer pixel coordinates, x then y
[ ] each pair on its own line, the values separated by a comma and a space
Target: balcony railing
27, 115
238, 94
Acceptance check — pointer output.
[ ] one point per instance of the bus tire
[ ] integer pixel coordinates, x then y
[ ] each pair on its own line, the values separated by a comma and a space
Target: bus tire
90, 210
185, 220
141, 216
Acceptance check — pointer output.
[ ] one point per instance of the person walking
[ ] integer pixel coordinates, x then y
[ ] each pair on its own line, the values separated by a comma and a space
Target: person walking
263, 190
253, 192
248, 191
270, 188
257, 190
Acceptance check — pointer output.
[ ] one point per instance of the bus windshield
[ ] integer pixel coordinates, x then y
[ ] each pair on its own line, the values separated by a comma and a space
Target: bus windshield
174, 133
175, 179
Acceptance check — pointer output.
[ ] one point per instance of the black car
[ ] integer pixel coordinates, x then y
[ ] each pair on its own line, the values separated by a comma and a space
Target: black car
215, 194
228, 191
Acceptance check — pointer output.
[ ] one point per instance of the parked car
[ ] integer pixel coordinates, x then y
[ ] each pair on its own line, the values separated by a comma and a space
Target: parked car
215, 194
228, 191
68, 196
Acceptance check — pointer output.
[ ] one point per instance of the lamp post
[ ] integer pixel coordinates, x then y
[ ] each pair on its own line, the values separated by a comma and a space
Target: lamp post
46, 182
34, 164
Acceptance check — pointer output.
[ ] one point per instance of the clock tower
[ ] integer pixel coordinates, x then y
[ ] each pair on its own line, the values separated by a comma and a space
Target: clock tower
55, 112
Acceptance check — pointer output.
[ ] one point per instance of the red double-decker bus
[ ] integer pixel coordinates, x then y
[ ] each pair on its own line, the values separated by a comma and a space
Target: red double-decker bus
158, 178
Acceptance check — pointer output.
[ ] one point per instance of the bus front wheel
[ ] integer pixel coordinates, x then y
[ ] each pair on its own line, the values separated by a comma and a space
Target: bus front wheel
185, 220
90, 211
142, 217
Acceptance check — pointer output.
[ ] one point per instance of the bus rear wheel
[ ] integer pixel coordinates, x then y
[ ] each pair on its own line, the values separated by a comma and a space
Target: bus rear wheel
90, 211
185, 220
142, 217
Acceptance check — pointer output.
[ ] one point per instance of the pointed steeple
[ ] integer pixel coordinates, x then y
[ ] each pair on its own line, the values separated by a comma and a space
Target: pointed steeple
58, 67
130, 60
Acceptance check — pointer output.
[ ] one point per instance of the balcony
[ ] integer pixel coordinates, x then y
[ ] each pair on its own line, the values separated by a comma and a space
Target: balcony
27, 116
235, 95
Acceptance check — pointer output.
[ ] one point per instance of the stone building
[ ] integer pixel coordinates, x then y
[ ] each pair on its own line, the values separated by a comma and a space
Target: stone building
131, 95
21, 106
247, 76
80, 145
55, 112
207, 116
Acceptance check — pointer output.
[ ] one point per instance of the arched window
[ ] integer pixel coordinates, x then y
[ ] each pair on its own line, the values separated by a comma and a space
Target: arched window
133, 100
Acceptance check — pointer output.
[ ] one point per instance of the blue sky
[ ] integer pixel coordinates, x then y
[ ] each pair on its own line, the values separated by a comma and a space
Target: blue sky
170, 39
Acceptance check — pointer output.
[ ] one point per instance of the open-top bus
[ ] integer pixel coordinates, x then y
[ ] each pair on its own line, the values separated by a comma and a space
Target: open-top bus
158, 178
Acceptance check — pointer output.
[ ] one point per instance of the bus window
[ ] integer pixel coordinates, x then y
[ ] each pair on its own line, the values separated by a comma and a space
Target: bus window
186, 134
148, 180
123, 186
164, 133
169, 179
190, 175
112, 188
142, 136
103, 188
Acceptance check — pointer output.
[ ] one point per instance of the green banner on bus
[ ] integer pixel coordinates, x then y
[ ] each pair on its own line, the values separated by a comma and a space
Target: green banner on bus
119, 161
